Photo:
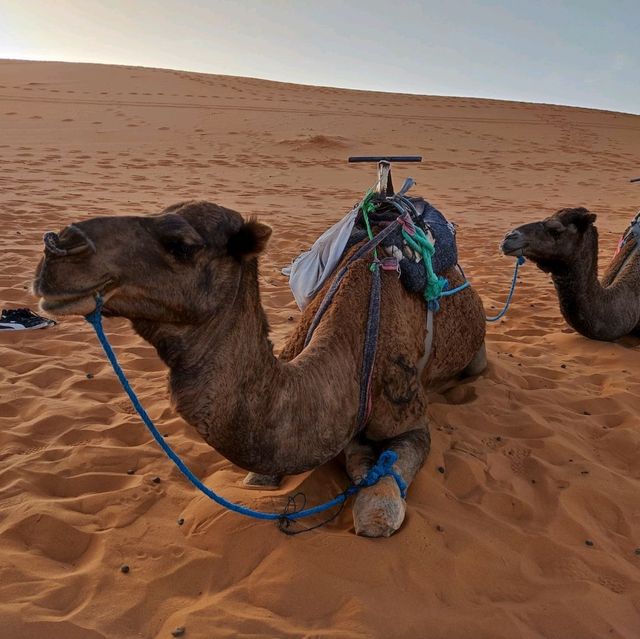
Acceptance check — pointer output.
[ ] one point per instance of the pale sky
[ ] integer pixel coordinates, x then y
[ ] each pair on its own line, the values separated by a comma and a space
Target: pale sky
574, 52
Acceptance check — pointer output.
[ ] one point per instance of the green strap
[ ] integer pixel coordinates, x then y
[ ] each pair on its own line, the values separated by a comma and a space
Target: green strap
368, 206
420, 244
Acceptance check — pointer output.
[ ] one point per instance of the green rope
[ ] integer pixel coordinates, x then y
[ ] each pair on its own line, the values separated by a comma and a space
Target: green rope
368, 206
420, 244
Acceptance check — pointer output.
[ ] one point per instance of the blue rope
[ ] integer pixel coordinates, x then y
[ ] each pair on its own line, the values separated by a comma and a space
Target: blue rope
457, 289
382, 468
447, 293
519, 262
437, 286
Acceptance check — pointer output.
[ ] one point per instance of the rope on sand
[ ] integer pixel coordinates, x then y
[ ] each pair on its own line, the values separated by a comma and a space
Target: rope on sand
382, 468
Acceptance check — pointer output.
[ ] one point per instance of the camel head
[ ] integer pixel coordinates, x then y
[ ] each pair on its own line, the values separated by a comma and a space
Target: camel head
554, 242
181, 266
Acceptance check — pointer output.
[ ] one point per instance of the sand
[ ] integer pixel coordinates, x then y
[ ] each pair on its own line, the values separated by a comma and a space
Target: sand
540, 453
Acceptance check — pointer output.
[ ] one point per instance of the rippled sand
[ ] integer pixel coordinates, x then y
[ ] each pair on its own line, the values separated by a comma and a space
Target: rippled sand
540, 453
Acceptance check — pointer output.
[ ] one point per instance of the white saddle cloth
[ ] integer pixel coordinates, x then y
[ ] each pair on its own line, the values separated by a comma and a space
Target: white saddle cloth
309, 271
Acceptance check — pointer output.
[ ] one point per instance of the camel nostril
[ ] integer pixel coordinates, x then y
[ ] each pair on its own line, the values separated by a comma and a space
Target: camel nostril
72, 242
50, 240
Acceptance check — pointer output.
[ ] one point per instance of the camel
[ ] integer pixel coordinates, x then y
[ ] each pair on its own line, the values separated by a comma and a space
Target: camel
187, 279
566, 246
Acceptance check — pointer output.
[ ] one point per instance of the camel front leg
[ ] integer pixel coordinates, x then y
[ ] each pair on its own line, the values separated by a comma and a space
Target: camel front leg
378, 511
360, 456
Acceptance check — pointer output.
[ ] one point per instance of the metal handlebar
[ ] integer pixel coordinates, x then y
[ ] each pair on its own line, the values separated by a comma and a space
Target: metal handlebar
385, 158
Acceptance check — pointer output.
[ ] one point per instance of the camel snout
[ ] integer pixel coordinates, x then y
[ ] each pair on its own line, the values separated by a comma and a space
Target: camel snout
513, 243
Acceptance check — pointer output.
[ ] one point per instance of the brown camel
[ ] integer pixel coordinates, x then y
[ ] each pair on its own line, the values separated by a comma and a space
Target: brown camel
188, 281
566, 246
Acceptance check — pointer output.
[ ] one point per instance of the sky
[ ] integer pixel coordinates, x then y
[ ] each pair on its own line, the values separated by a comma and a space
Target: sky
572, 52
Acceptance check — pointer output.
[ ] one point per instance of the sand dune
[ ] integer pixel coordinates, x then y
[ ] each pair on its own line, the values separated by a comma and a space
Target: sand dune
540, 453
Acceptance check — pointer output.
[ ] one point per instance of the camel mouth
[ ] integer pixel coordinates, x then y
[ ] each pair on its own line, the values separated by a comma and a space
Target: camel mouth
513, 246
79, 302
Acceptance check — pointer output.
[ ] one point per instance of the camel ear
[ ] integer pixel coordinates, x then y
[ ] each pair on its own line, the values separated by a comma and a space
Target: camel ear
250, 240
581, 218
178, 237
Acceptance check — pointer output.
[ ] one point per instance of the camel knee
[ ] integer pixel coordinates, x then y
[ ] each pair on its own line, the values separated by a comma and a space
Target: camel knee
360, 456
378, 511
412, 449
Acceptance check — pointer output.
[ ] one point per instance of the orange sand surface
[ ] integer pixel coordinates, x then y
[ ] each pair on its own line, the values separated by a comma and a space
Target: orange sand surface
540, 453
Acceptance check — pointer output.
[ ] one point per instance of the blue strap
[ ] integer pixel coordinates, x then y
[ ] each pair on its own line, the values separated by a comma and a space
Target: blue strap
519, 262
382, 468
457, 289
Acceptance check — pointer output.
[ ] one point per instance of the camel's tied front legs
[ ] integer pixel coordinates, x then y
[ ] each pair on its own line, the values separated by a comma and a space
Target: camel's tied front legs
378, 511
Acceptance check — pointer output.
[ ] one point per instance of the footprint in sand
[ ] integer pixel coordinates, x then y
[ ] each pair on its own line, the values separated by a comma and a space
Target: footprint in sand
461, 394
42, 533
614, 584
518, 457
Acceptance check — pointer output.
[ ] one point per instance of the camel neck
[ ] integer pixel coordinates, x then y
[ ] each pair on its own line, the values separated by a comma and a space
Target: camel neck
592, 309
263, 414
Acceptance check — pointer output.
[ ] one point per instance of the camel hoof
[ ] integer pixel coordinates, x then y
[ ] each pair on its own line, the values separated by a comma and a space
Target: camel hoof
255, 481
379, 511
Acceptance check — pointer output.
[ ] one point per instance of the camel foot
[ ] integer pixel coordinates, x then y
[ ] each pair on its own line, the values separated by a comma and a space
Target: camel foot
256, 481
379, 510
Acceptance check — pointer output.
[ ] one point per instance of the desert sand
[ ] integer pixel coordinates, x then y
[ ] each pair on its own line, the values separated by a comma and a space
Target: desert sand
530, 460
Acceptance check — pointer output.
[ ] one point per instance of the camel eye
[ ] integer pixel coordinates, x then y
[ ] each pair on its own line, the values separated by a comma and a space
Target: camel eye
554, 228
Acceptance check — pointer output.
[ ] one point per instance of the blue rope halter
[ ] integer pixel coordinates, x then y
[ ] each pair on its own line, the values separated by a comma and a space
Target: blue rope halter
519, 262
382, 468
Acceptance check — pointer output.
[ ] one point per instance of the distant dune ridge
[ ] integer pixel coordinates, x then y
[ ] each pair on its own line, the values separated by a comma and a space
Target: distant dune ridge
525, 520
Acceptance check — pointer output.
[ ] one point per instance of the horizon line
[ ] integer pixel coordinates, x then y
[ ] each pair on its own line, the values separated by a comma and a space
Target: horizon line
326, 86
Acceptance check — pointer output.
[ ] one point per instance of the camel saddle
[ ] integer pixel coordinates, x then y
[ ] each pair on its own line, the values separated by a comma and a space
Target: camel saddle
437, 228
308, 272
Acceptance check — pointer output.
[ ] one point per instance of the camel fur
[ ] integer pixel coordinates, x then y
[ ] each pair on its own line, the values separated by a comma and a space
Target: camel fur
188, 281
566, 246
